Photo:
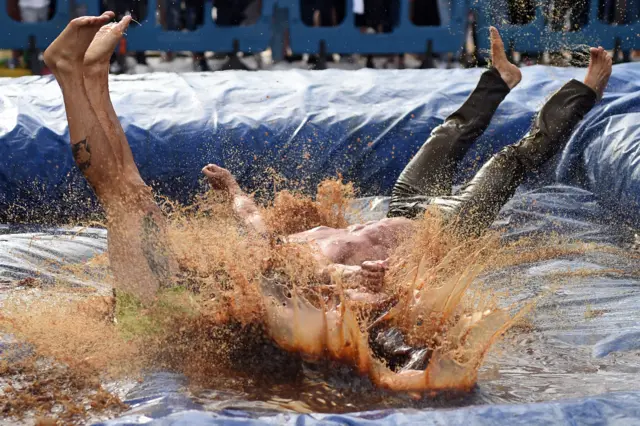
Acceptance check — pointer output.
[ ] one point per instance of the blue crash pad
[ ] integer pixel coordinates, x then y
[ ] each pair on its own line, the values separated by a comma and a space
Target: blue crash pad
305, 125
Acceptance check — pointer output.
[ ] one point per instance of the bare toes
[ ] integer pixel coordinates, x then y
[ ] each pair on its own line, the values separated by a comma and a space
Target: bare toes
106, 16
94, 20
81, 21
124, 23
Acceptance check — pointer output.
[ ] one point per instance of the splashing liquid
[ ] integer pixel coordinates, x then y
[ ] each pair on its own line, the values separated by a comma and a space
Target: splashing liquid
334, 331
429, 289
247, 305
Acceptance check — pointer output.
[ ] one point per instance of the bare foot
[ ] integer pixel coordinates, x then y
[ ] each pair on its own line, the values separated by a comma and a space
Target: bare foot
510, 73
599, 70
221, 179
104, 42
66, 53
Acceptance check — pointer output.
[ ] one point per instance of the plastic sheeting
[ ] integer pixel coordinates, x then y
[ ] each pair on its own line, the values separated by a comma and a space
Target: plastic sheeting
30, 252
603, 410
571, 368
304, 125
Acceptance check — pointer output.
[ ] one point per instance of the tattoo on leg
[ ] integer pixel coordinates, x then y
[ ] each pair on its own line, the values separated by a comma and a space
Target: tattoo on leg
82, 154
155, 250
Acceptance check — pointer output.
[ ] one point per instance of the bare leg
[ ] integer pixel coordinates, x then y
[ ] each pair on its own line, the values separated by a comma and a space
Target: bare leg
139, 258
96, 84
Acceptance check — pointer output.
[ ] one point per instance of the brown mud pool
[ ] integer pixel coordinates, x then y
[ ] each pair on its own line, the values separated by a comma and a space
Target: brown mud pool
247, 327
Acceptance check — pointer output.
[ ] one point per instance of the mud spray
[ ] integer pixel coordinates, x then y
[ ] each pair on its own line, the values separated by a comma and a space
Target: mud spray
249, 314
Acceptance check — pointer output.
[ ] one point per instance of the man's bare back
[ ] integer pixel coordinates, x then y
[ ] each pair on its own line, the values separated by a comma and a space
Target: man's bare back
357, 243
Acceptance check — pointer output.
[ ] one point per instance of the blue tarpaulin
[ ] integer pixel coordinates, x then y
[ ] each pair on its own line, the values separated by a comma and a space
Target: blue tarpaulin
306, 126
580, 363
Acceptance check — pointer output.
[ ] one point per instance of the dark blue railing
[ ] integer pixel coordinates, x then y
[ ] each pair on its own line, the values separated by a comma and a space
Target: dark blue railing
279, 15
208, 37
16, 35
539, 35
406, 37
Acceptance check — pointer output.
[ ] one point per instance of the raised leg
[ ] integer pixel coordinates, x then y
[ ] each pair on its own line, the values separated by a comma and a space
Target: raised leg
478, 203
430, 173
96, 84
138, 254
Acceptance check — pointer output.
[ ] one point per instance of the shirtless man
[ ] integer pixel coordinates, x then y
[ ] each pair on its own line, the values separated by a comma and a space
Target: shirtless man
358, 250
139, 256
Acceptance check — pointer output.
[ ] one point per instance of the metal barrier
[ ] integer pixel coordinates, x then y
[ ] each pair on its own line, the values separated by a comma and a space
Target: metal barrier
538, 36
148, 36
405, 38
208, 37
20, 35
278, 16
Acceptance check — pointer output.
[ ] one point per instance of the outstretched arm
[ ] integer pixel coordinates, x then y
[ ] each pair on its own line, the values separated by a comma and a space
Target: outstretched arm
243, 205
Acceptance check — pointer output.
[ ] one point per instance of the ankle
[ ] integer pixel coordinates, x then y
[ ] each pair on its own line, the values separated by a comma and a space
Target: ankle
69, 77
96, 70
65, 69
62, 62
590, 83
511, 80
510, 74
